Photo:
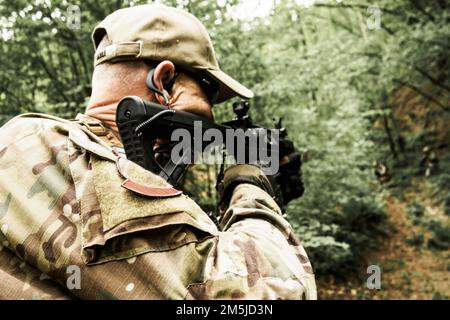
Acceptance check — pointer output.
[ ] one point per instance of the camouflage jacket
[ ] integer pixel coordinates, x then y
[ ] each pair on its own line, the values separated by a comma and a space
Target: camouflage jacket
70, 230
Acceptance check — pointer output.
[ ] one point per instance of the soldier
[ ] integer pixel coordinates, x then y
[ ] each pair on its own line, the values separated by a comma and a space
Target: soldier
70, 227
429, 162
382, 172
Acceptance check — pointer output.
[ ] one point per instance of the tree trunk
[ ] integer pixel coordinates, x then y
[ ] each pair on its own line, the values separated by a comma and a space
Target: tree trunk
387, 129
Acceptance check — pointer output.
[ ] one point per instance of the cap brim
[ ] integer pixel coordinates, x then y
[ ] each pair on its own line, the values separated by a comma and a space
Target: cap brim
228, 87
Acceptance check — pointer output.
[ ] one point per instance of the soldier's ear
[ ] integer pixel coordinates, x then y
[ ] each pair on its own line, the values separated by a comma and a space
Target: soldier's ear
163, 73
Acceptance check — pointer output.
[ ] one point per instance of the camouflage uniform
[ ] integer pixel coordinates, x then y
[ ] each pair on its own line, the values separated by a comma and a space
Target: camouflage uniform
62, 204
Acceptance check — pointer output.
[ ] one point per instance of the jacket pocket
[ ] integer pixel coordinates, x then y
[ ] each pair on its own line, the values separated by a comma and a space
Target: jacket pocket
120, 222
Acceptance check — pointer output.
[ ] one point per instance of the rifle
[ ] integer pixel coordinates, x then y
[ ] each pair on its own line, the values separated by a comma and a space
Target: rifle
141, 124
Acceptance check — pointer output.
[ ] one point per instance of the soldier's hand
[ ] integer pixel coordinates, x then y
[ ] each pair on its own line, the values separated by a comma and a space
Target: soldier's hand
238, 174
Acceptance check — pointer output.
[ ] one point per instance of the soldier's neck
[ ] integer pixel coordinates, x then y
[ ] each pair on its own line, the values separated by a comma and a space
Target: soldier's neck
106, 113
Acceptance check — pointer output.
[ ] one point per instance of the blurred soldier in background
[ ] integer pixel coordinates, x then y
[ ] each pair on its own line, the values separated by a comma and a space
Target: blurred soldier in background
382, 172
429, 162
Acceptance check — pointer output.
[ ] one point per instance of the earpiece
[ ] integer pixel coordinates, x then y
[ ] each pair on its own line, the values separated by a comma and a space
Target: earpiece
151, 85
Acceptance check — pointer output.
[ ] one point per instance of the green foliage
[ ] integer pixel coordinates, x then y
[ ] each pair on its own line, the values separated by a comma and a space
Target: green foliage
440, 184
440, 239
415, 211
416, 239
438, 296
447, 205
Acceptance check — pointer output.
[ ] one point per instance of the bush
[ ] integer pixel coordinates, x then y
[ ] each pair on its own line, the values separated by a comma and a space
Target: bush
442, 183
440, 239
447, 205
337, 242
416, 240
415, 212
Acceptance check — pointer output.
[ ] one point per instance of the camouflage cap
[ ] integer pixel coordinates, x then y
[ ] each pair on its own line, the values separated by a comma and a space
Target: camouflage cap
157, 32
